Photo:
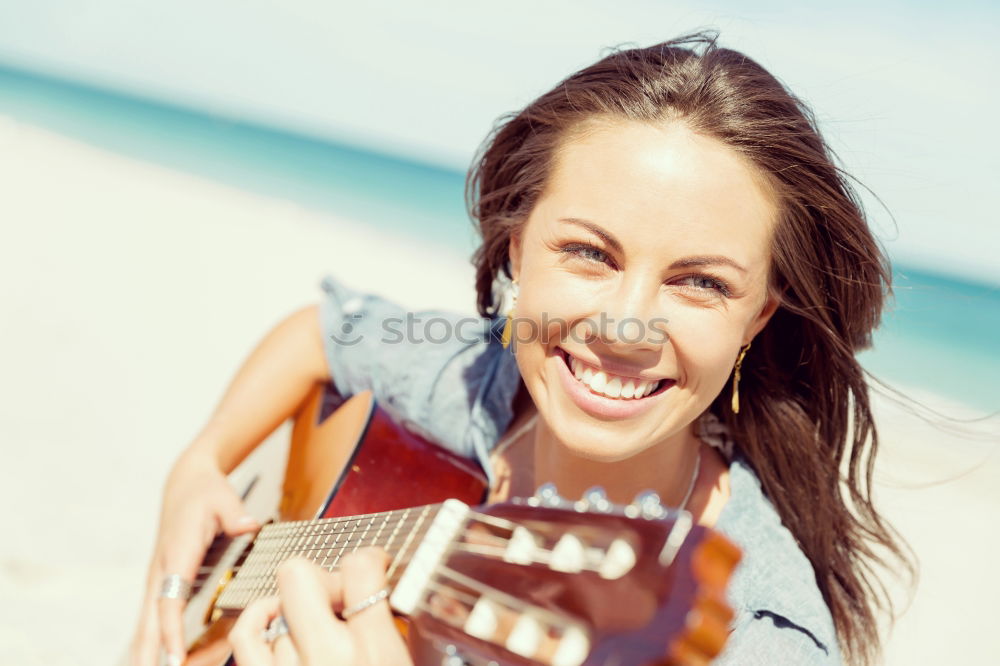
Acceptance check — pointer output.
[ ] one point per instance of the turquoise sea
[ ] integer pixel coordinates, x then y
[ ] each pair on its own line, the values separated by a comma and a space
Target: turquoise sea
942, 334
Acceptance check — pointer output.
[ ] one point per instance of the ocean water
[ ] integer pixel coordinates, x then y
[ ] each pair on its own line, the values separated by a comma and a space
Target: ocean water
941, 334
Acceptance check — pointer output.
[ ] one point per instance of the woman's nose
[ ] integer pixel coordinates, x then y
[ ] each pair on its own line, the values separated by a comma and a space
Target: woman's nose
631, 313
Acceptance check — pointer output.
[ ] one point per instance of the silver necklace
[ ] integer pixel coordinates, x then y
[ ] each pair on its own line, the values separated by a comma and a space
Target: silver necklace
694, 478
694, 474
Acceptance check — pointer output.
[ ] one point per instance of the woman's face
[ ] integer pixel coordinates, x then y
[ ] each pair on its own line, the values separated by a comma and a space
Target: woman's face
642, 268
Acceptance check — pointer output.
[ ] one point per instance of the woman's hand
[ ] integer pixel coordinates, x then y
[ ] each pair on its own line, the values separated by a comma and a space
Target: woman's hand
198, 503
307, 599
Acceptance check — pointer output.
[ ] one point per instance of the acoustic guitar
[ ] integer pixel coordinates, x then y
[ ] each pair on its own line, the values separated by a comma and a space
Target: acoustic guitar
539, 580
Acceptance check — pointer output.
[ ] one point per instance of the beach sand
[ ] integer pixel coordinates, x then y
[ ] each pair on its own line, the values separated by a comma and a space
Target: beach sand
131, 293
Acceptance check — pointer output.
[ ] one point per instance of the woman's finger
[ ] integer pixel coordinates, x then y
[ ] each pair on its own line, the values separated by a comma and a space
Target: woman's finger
182, 560
307, 595
146, 643
232, 517
247, 635
363, 575
285, 652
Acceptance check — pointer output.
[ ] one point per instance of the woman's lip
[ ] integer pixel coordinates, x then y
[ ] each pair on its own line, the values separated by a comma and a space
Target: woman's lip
600, 406
609, 368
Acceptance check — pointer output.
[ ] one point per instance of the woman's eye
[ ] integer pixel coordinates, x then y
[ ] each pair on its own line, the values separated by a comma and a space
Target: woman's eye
706, 282
588, 252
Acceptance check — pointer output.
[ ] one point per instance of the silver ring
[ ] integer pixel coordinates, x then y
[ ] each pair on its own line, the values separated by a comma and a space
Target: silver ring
175, 587
275, 630
348, 613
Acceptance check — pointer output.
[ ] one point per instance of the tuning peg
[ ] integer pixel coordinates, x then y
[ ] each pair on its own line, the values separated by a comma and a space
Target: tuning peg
452, 657
594, 499
546, 495
646, 504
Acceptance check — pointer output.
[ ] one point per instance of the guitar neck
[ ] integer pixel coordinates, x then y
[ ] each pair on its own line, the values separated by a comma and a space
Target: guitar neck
325, 542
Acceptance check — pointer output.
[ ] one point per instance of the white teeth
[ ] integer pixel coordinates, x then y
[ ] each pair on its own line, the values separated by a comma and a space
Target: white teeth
610, 385
598, 382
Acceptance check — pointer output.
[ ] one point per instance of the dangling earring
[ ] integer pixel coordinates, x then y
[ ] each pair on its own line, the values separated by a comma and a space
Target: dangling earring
512, 293
736, 379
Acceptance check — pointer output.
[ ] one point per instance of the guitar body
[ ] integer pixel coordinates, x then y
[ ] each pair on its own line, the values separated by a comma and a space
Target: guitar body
346, 458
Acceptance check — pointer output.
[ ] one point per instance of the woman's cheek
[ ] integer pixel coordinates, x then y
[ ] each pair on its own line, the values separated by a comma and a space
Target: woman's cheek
554, 308
702, 342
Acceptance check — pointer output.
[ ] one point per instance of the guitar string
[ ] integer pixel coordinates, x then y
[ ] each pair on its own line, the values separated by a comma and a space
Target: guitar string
321, 540
268, 567
541, 556
304, 526
284, 543
267, 558
505, 598
311, 537
263, 553
337, 549
261, 582
468, 600
439, 584
258, 583
561, 623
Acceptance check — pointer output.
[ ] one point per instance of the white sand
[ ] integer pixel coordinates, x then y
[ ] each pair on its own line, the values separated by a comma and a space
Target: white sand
130, 295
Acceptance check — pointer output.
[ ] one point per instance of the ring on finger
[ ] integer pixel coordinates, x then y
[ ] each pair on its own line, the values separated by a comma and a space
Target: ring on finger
174, 586
368, 602
276, 629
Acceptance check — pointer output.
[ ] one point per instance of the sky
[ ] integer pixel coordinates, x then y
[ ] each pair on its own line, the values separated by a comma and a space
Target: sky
904, 92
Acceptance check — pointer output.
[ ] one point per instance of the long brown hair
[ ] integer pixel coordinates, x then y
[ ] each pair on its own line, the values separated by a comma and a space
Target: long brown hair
805, 417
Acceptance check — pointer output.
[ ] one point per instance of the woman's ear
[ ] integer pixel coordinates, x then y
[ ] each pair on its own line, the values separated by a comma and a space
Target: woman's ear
766, 312
514, 248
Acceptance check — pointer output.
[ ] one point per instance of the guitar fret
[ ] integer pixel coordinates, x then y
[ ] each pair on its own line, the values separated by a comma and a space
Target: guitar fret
381, 527
323, 542
392, 569
361, 539
392, 536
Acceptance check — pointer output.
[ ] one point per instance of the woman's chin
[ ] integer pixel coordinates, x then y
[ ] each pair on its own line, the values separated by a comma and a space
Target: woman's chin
591, 446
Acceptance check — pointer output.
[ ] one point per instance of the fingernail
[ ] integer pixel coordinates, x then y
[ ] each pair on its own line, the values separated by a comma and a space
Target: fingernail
247, 520
174, 660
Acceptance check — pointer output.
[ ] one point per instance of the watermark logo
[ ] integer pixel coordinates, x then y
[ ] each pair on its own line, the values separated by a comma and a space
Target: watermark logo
414, 329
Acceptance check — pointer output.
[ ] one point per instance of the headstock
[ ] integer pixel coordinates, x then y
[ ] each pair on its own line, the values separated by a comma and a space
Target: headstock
563, 583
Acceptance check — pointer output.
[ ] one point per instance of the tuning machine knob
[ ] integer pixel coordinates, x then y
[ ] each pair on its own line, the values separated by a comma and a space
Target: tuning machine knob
594, 499
452, 657
646, 505
546, 495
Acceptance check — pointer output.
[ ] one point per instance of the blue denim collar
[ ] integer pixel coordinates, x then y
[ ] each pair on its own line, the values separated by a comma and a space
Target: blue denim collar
774, 577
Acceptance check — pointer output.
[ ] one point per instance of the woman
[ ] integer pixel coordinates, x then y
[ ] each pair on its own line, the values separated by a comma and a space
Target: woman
685, 265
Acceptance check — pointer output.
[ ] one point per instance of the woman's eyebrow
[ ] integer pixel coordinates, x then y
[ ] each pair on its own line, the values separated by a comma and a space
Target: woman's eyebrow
597, 231
709, 260
686, 262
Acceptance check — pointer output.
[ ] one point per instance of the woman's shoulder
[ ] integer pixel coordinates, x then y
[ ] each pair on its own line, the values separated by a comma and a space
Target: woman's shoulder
440, 373
781, 616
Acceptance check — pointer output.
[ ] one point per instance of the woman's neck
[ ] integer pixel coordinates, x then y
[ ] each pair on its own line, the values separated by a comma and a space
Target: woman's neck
666, 468
530, 455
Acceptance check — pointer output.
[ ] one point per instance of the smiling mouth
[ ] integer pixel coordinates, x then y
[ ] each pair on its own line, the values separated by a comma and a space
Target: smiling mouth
608, 385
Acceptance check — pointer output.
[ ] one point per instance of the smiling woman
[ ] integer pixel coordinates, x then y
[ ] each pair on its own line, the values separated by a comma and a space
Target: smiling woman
690, 281
677, 231
699, 194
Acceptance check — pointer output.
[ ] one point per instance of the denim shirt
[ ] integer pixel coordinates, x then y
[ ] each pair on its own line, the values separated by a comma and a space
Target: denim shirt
448, 378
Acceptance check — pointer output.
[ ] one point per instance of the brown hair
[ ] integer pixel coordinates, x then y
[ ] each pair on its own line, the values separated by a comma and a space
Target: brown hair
806, 411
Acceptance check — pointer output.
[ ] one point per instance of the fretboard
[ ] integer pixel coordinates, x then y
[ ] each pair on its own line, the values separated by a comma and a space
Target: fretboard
325, 542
